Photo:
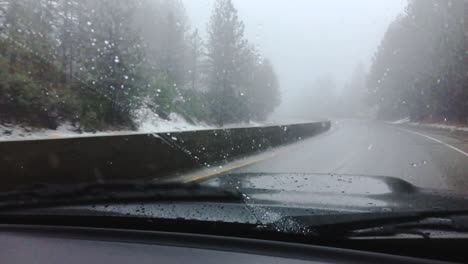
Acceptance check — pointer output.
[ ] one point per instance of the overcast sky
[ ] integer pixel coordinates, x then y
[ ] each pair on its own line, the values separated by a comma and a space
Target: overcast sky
306, 39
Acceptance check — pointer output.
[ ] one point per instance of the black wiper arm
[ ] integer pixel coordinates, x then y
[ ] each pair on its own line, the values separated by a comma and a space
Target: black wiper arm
387, 231
40, 196
452, 223
379, 224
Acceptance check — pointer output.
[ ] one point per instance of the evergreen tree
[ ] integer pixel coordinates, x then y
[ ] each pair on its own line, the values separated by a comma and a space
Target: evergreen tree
28, 86
114, 79
226, 44
419, 69
96, 63
195, 55
265, 95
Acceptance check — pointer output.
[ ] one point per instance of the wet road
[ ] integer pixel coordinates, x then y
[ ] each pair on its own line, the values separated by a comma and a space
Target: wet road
374, 148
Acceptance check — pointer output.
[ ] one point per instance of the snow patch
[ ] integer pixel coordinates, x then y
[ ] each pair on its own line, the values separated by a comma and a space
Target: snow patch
10, 132
407, 121
401, 121
150, 122
440, 126
245, 124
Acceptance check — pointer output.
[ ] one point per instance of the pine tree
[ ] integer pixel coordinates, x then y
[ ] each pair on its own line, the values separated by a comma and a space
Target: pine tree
226, 44
265, 95
195, 55
164, 28
114, 79
419, 69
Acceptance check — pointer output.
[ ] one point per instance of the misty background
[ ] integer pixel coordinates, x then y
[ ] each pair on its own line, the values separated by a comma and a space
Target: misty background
314, 45
113, 65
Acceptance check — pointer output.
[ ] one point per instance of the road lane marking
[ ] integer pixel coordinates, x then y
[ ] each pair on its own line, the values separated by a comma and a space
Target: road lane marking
436, 140
224, 171
288, 149
245, 164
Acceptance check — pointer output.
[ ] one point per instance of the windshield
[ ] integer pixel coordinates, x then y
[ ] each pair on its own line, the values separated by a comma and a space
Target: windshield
313, 106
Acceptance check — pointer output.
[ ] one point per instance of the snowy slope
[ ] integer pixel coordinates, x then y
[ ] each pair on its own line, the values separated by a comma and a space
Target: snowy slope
407, 121
148, 123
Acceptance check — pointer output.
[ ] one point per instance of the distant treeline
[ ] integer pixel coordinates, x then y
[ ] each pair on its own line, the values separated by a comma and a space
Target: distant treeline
421, 67
96, 63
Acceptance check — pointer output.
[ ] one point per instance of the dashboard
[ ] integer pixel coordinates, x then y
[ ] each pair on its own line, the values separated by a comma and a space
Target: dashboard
55, 244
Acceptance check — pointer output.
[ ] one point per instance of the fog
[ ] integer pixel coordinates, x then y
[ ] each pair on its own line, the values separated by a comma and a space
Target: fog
113, 65
309, 40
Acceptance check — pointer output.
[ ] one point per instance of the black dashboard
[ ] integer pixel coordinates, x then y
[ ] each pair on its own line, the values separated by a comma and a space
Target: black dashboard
53, 244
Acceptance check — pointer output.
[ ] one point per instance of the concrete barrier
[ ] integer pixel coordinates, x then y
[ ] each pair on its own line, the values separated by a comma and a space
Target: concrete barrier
143, 156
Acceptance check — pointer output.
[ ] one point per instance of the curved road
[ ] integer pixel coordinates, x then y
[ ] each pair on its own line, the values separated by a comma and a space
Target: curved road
426, 159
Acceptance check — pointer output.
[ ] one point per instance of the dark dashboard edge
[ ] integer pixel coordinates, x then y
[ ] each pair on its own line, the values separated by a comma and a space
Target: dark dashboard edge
211, 242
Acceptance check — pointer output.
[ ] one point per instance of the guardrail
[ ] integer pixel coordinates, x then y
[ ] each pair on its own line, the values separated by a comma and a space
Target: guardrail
142, 156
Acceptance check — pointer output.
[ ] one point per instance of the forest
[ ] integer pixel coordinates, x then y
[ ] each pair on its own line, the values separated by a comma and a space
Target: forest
420, 70
101, 65
97, 64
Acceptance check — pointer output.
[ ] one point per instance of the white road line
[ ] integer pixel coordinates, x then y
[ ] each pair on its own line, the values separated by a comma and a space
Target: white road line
438, 141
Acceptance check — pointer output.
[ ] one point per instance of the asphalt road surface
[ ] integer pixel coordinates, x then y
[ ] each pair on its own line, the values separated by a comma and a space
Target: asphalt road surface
425, 159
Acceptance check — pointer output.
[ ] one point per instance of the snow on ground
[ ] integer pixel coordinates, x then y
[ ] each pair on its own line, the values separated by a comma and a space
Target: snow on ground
440, 126
152, 123
149, 123
407, 121
401, 121
16, 132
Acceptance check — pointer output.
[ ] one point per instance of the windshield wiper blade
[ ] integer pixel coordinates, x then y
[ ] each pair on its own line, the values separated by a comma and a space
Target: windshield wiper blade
48, 195
345, 226
455, 223
386, 231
